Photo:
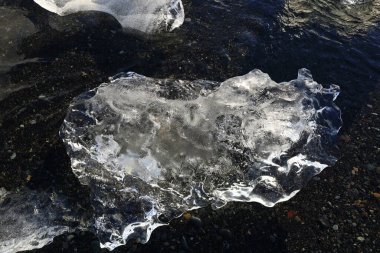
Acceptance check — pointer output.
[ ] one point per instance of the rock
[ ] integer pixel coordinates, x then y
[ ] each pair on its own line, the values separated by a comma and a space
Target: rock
345, 138
324, 221
186, 216
298, 219
65, 245
95, 246
360, 238
225, 233
355, 192
335, 227
196, 222
184, 243
370, 166
13, 156
291, 214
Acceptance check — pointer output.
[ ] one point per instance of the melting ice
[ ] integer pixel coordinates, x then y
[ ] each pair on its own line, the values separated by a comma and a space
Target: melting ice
30, 220
147, 16
151, 148
14, 27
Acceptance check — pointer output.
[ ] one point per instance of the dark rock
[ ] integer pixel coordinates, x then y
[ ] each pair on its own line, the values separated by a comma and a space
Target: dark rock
95, 247
196, 222
184, 243
324, 221
225, 233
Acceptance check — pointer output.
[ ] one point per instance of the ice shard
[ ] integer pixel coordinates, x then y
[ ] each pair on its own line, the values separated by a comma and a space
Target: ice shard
152, 148
146, 16
30, 220
15, 26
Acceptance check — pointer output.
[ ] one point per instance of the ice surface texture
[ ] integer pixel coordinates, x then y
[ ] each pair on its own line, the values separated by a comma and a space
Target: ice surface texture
14, 27
147, 16
151, 148
30, 220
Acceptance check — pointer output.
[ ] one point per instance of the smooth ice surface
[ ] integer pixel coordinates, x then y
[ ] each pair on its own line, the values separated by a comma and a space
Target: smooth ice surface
147, 16
30, 220
149, 147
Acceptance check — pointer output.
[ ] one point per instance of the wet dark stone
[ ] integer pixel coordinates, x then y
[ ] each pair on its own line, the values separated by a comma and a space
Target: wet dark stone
195, 222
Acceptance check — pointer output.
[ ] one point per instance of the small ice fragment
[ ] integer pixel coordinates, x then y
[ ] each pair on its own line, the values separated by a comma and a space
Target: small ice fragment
15, 26
29, 220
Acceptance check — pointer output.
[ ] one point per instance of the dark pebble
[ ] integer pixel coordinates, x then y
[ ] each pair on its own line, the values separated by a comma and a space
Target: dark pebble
225, 233
184, 243
196, 222
370, 166
95, 246
324, 221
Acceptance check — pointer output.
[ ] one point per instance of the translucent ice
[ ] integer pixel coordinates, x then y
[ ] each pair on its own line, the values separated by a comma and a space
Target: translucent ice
147, 16
151, 148
30, 220
14, 28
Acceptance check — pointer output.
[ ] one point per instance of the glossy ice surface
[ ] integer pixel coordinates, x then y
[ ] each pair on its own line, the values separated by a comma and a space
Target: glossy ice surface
149, 147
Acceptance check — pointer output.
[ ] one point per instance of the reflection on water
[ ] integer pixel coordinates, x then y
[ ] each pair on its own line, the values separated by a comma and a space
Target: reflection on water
348, 17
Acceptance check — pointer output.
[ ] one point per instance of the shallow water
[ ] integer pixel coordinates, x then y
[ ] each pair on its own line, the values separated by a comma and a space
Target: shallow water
53, 59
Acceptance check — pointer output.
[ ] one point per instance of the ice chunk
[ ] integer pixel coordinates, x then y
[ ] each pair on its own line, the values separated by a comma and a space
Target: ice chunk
30, 220
150, 147
14, 28
147, 16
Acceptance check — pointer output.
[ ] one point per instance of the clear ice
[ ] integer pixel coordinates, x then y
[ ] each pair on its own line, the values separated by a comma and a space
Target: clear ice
146, 16
153, 148
15, 26
30, 220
